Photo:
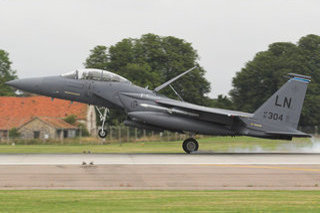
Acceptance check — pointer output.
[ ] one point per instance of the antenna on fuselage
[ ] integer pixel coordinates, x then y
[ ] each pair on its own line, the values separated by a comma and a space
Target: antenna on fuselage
173, 79
176, 92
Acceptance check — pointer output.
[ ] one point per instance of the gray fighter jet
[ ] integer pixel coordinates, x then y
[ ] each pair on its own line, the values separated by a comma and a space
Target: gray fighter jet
277, 118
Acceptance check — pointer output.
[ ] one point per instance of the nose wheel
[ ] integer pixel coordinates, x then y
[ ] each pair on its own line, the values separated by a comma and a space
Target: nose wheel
190, 145
102, 133
103, 117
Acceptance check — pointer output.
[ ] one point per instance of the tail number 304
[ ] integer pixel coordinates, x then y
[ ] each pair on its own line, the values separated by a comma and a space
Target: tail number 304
272, 116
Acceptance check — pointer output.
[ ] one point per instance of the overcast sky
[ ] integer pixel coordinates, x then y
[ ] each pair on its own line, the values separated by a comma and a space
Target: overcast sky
52, 37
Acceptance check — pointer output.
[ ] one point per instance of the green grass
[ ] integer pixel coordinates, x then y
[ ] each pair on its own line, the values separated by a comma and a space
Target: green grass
159, 201
216, 144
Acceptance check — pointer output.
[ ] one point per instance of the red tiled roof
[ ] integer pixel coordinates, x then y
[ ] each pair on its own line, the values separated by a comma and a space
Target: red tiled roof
7, 123
15, 111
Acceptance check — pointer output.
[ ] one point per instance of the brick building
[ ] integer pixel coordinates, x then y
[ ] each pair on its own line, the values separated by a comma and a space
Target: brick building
46, 127
41, 117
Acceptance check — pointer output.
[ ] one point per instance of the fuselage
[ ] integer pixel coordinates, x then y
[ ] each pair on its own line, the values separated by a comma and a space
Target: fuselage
139, 103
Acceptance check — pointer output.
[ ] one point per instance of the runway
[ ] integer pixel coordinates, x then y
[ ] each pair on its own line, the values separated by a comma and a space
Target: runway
166, 159
222, 171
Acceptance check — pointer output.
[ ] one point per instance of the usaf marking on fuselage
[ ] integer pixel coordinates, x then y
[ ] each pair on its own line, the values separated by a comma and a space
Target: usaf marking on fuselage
277, 118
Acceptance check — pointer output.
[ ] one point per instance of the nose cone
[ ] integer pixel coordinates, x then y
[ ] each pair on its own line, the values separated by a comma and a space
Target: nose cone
12, 83
32, 85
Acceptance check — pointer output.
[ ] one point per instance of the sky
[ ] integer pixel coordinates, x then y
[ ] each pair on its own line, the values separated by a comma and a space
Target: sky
52, 37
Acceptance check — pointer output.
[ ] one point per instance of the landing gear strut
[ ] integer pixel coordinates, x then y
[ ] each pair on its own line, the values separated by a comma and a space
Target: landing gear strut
190, 145
103, 117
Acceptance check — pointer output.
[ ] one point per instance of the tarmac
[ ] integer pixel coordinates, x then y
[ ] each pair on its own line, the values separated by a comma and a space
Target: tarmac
165, 159
199, 171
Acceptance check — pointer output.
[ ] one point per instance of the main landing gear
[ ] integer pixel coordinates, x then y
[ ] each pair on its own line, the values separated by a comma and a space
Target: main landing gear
103, 117
190, 145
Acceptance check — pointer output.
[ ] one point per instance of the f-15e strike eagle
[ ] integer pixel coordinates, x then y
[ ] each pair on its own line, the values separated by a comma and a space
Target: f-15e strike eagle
277, 118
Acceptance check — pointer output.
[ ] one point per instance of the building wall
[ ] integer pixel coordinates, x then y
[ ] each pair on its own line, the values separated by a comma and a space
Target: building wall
46, 131
91, 120
3, 134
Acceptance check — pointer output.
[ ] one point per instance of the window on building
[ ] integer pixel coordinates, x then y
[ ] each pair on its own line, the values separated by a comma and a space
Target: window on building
71, 133
36, 134
3, 134
65, 133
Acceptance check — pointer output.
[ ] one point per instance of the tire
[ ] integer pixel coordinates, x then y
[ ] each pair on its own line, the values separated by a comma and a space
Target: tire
102, 134
190, 145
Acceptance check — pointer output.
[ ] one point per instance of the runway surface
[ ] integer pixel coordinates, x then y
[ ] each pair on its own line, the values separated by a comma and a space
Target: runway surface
295, 171
133, 159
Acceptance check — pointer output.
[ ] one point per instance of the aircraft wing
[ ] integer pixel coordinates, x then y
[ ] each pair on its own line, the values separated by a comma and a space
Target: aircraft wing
206, 113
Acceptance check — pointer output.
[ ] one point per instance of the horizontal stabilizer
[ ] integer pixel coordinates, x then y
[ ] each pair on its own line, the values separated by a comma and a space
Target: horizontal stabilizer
299, 76
295, 133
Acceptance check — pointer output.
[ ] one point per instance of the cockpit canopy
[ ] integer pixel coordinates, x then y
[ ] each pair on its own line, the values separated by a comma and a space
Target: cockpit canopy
95, 74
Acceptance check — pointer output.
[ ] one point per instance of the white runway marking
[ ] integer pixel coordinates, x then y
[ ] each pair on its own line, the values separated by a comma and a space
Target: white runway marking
161, 159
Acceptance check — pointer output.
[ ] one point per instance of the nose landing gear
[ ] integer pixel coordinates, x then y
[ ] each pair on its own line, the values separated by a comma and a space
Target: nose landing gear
103, 117
190, 145
102, 133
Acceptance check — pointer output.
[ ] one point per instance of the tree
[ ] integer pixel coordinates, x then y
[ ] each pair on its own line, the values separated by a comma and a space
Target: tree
6, 74
70, 119
263, 76
152, 60
98, 58
14, 133
222, 102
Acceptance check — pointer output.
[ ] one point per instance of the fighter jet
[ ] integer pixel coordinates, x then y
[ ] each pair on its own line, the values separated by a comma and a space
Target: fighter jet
277, 118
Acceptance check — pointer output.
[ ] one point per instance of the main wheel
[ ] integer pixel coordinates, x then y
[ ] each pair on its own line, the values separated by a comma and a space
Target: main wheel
190, 145
102, 133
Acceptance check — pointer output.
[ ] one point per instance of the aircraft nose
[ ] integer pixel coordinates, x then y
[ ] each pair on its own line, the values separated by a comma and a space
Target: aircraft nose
29, 84
12, 83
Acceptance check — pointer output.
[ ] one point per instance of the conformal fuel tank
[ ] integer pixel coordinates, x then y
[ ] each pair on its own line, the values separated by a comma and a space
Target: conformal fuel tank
168, 121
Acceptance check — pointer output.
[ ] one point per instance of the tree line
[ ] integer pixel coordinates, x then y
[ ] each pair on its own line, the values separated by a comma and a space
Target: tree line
151, 60
263, 75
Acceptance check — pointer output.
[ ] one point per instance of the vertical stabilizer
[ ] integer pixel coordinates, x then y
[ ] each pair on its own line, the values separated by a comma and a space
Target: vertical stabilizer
282, 110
